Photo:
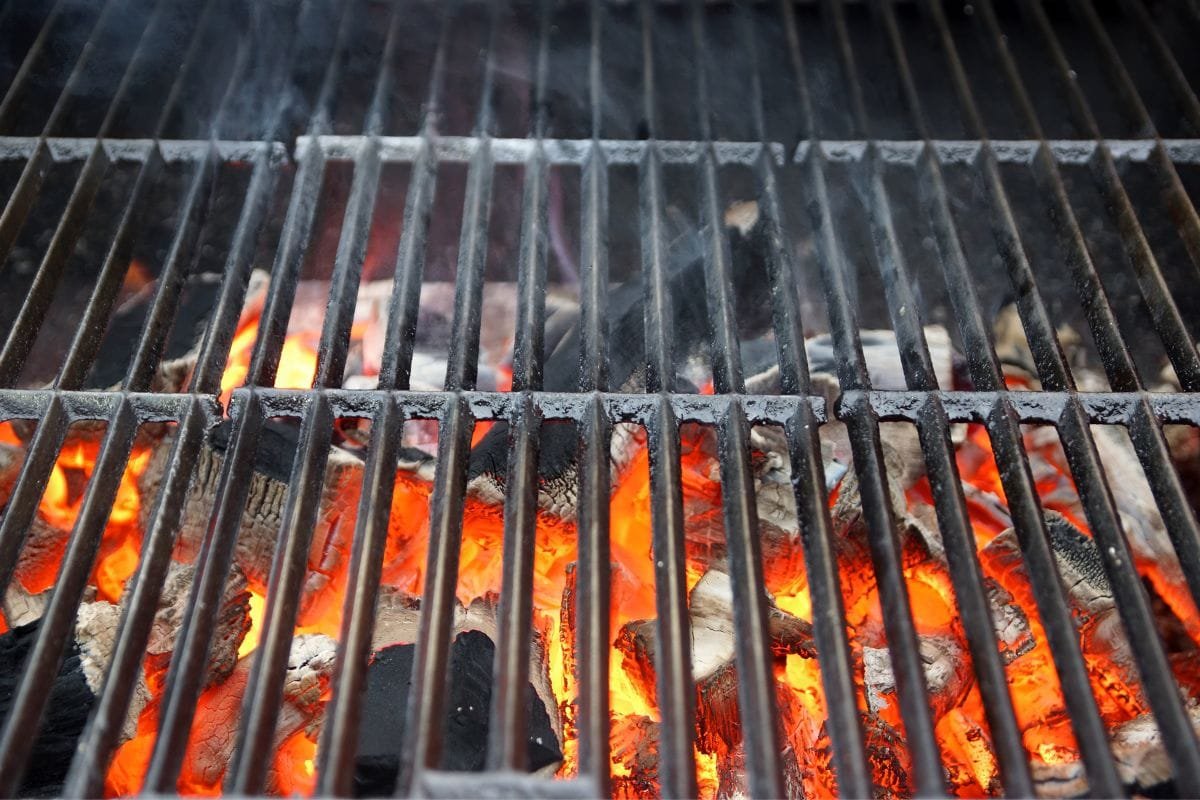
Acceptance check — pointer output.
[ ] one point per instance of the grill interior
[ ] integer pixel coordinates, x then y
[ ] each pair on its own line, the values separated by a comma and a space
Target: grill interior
912, 165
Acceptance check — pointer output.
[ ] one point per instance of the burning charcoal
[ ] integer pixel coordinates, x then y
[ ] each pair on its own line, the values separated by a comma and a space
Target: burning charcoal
41, 555
67, 711
1106, 650
214, 731
887, 757
1013, 633
568, 619
711, 613
971, 766
947, 676
1094, 606
95, 636
719, 729
96, 628
468, 704
1141, 759
636, 641
710, 609
1151, 546
233, 622
1149, 542
263, 515
635, 748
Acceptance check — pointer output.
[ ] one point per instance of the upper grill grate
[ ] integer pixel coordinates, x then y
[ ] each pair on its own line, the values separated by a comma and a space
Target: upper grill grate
911, 165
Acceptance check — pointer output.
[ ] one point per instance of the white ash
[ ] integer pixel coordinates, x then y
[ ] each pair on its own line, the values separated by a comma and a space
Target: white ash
95, 633
1010, 622
710, 609
711, 612
946, 676
21, 607
310, 667
1138, 750
97, 622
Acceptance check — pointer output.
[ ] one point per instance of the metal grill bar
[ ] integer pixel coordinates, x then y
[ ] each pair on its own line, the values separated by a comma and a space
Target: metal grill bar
593, 628
32, 315
100, 738
1118, 363
1167, 320
430, 680
674, 687
1158, 682
1089, 729
339, 738
29, 704
337, 748
248, 771
1175, 74
252, 753
1186, 217
84, 543
508, 729
756, 687
186, 671
35, 49
862, 426
804, 446
934, 431
396, 364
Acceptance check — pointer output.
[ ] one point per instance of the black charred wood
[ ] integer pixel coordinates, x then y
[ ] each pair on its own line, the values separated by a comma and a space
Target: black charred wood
66, 712
389, 679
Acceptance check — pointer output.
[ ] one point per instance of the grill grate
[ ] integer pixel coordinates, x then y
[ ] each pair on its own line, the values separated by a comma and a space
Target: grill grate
208, 118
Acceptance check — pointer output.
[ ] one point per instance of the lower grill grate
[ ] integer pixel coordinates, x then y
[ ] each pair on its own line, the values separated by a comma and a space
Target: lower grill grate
622, 207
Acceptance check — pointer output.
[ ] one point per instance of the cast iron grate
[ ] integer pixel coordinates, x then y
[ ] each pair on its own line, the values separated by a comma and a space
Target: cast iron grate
93, 90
